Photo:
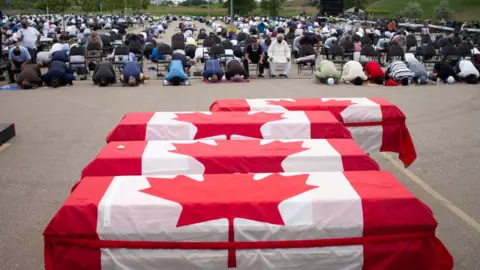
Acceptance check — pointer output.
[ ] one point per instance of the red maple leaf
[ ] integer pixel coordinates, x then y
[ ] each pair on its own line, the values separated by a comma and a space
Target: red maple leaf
246, 156
220, 123
229, 196
336, 107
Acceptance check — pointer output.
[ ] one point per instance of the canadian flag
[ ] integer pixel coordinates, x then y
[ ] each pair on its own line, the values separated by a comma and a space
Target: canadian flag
227, 156
376, 124
150, 126
334, 220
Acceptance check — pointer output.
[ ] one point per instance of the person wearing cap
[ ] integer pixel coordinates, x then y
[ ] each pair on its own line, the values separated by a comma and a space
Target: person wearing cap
17, 57
443, 70
325, 70
399, 72
421, 73
467, 72
29, 77
254, 54
28, 38
279, 55
353, 73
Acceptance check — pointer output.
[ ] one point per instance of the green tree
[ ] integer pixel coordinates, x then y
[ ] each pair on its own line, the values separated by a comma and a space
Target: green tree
242, 7
412, 10
443, 11
271, 7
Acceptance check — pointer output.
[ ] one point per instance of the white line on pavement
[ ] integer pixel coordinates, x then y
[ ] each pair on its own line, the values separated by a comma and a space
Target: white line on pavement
449, 205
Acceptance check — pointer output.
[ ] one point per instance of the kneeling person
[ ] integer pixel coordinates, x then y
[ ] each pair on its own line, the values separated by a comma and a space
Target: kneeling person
104, 74
30, 77
234, 70
325, 70
176, 74
212, 71
58, 74
132, 74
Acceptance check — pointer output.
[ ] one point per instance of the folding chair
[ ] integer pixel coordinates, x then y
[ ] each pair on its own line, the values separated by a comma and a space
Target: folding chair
306, 50
369, 52
136, 48
227, 44
94, 52
78, 63
395, 52
411, 42
107, 44
120, 56
164, 49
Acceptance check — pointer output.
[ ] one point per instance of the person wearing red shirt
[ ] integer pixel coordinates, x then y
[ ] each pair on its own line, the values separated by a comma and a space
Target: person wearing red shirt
375, 72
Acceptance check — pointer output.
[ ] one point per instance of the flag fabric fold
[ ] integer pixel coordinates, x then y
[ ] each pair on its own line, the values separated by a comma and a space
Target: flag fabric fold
149, 126
331, 220
227, 156
376, 124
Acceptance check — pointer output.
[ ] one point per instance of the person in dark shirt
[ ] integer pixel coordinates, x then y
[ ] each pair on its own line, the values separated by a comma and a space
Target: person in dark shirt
58, 74
30, 77
310, 39
104, 74
254, 54
442, 70
132, 74
234, 71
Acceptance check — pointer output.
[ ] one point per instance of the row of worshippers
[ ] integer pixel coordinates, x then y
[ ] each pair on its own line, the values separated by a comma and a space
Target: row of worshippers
60, 73
397, 73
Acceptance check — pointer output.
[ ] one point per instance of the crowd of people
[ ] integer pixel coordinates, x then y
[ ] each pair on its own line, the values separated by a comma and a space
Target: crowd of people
336, 50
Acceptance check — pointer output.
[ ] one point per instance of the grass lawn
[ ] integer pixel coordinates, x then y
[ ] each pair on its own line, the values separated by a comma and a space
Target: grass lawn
463, 9
217, 11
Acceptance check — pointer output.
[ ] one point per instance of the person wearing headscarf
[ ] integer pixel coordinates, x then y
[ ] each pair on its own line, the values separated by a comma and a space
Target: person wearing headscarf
95, 38
279, 55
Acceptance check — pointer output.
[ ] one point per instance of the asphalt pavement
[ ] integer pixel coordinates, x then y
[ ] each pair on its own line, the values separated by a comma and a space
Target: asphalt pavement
61, 130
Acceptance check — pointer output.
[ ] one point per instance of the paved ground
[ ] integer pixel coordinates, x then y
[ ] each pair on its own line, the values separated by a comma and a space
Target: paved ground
61, 130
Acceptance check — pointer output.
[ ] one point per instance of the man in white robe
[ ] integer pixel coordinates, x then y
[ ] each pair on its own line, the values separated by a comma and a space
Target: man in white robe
279, 55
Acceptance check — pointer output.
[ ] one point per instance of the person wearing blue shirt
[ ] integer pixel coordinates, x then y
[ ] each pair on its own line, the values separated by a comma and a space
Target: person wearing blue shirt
59, 74
176, 75
157, 56
132, 74
17, 57
212, 70
261, 27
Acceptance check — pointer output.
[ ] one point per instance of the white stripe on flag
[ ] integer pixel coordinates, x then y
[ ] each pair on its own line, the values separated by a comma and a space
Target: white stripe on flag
363, 110
263, 105
319, 156
163, 126
138, 216
369, 138
157, 160
295, 125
